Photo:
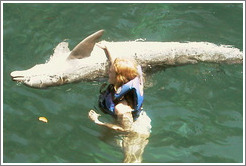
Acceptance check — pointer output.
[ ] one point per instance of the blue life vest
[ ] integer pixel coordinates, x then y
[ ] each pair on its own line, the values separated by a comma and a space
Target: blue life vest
109, 98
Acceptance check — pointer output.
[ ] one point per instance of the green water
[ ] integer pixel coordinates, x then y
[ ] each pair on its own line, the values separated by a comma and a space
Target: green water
196, 110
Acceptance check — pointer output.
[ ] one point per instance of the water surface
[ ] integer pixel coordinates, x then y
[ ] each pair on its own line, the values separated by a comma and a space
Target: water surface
196, 110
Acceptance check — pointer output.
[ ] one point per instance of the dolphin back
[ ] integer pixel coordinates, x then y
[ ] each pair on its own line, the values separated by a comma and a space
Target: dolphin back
67, 67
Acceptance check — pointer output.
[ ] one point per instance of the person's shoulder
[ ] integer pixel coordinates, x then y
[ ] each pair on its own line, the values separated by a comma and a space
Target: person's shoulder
122, 107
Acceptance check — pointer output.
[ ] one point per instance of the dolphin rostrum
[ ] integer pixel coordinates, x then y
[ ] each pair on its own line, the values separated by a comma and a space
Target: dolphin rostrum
86, 62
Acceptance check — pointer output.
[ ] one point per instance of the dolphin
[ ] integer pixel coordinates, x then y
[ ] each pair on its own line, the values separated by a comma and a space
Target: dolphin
88, 62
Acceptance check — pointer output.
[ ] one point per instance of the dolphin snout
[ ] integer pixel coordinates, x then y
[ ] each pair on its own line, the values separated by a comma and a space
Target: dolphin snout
17, 76
36, 80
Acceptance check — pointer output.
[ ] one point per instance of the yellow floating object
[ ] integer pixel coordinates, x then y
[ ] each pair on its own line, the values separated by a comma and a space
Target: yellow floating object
43, 119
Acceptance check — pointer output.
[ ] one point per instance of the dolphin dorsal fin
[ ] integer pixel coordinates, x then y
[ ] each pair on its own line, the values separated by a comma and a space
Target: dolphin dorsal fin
84, 48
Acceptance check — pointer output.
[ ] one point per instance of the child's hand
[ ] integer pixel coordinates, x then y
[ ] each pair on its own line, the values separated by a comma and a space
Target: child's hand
102, 46
94, 116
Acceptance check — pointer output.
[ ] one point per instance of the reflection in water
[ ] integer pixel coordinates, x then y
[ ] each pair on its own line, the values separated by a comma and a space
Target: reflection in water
133, 145
133, 142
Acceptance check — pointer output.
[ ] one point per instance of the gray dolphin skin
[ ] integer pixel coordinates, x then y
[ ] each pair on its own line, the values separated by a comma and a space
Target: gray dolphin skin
88, 62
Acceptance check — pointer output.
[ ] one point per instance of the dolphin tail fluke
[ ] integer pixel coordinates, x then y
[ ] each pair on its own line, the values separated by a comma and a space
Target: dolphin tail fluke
84, 48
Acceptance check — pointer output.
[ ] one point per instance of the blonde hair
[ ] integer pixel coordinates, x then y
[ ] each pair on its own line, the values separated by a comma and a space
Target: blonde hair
125, 70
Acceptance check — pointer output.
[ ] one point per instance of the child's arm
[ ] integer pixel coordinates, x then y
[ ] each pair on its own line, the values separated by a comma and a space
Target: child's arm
108, 55
94, 117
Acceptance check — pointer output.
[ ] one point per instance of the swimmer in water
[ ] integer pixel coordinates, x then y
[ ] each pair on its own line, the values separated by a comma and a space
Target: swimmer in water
123, 100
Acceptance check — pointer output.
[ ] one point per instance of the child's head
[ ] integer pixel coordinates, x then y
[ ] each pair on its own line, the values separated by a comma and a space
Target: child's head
122, 71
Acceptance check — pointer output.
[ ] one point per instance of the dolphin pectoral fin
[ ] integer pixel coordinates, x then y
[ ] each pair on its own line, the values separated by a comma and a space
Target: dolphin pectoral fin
84, 48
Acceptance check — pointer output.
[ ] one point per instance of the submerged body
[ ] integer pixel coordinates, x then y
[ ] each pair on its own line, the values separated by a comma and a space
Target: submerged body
132, 142
67, 66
